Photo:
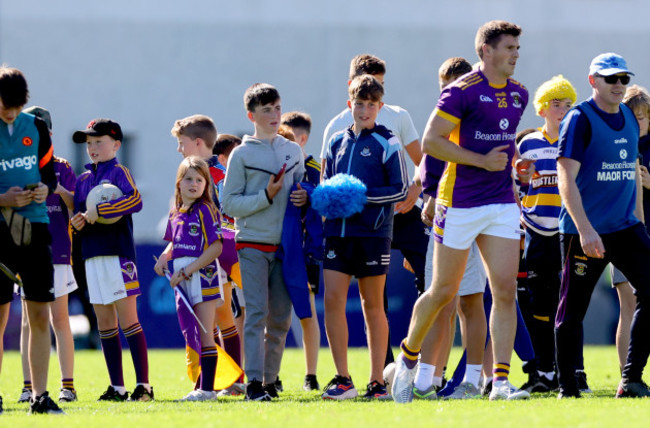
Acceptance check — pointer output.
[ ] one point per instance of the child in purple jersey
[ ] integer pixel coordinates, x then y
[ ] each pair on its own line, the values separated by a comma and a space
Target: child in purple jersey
195, 242
473, 128
197, 136
108, 251
59, 205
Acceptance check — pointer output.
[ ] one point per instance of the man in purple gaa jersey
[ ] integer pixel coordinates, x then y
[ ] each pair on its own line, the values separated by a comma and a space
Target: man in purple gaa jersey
473, 128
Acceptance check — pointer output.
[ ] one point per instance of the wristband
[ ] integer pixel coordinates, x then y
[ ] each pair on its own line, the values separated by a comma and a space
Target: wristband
184, 275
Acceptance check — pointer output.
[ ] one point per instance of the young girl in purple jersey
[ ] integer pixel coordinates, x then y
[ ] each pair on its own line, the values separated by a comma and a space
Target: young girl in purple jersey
195, 242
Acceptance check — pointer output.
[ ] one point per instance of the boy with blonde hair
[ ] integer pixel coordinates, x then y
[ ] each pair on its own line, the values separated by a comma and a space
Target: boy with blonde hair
540, 211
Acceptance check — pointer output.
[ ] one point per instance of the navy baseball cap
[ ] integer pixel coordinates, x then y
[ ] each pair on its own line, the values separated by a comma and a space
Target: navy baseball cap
97, 128
608, 64
41, 113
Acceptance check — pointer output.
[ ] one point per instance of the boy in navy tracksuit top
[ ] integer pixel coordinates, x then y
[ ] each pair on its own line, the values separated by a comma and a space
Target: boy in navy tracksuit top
360, 245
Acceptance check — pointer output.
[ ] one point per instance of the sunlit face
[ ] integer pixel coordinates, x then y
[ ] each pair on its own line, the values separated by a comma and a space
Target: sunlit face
191, 186
609, 94
267, 117
503, 57
187, 146
644, 121
556, 111
101, 149
9, 114
364, 112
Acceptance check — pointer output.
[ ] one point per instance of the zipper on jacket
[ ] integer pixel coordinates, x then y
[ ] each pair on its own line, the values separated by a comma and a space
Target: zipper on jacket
348, 172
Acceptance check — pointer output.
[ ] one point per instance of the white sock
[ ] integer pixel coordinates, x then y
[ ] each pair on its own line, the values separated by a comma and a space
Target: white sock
424, 376
472, 373
120, 389
437, 381
547, 375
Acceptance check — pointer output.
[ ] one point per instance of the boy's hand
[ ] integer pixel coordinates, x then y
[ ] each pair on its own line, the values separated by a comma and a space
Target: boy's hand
525, 169
645, 177
91, 215
273, 187
39, 194
407, 204
175, 279
78, 221
496, 159
161, 265
16, 197
428, 212
299, 197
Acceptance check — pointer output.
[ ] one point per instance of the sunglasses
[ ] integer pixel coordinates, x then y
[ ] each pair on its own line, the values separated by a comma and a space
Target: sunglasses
611, 80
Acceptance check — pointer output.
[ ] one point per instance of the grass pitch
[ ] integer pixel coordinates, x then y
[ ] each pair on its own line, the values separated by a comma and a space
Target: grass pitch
297, 408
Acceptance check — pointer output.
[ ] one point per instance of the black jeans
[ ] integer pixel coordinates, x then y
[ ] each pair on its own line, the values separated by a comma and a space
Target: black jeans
629, 251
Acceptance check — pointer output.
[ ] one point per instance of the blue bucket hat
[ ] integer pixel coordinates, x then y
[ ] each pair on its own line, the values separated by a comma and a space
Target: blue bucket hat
608, 64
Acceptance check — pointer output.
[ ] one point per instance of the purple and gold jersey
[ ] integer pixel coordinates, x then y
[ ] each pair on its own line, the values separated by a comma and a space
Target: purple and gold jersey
57, 211
191, 232
485, 116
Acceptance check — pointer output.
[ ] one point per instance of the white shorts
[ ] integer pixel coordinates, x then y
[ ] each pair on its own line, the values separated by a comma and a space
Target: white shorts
204, 285
458, 227
111, 278
474, 279
64, 282
239, 294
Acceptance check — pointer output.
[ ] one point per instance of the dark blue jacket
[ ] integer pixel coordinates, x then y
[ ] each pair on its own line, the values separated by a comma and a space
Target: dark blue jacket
374, 157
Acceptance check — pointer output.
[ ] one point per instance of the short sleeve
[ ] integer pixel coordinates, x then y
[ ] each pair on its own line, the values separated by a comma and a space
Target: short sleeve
575, 133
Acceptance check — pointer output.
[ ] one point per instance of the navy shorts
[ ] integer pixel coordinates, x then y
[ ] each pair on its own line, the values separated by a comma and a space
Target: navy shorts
357, 256
33, 263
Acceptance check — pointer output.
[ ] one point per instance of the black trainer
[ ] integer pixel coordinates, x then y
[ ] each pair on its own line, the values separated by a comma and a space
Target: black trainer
271, 389
568, 393
255, 392
278, 385
43, 404
111, 394
632, 389
140, 393
376, 391
311, 383
1, 410
540, 383
581, 378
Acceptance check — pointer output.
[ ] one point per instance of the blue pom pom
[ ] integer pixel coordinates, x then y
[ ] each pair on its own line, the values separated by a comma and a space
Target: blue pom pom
339, 197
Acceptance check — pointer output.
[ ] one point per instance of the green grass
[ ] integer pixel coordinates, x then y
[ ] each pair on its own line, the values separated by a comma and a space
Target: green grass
297, 408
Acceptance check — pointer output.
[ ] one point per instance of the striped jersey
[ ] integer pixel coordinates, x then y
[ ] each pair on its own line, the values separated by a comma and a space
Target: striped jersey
485, 116
541, 203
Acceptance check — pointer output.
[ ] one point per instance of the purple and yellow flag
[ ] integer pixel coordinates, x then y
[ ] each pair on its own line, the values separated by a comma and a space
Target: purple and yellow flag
228, 371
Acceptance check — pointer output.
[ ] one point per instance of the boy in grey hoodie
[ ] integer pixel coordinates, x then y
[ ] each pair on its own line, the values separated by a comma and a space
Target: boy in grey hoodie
259, 176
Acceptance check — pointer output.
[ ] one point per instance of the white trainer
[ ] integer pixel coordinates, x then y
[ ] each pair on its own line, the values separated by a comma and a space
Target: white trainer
504, 390
465, 391
402, 390
233, 390
200, 395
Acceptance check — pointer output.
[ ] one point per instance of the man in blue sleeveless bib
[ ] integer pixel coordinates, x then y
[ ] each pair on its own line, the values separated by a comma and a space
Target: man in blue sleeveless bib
599, 219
